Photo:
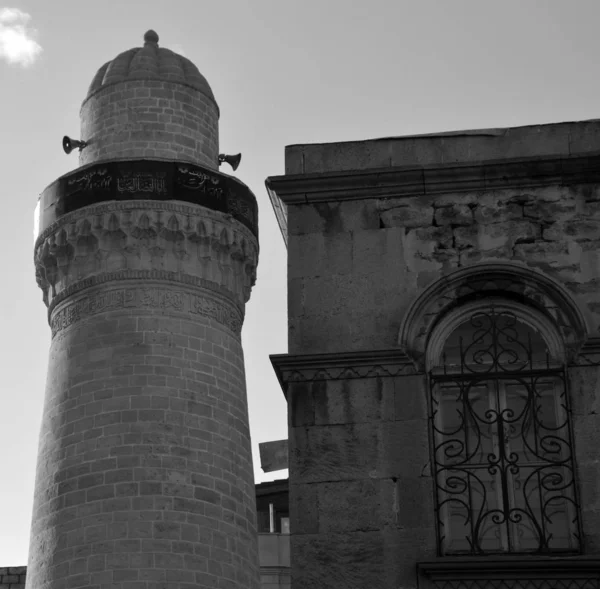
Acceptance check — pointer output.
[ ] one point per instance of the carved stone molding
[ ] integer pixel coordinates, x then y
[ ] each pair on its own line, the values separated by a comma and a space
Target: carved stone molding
146, 297
589, 354
145, 239
515, 572
348, 365
400, 181
145, 275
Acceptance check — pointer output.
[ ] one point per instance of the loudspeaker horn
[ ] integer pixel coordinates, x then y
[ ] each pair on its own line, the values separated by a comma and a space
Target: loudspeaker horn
70, 144
232, 160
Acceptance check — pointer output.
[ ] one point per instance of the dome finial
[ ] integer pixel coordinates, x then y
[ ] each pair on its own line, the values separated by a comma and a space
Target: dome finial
151, 37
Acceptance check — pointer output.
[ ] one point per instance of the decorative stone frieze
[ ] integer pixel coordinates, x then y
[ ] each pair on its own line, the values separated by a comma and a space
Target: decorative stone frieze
146, 240
148, 296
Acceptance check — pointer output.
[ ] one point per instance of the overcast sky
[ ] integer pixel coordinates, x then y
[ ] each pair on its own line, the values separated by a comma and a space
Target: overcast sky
283, 72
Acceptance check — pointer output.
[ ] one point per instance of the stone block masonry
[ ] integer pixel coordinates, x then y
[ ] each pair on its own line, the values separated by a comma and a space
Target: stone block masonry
12, 577
145, 471
384, 251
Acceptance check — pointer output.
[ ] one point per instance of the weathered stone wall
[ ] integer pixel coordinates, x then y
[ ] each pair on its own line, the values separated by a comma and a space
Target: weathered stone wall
370, 259
12, 577
150, 118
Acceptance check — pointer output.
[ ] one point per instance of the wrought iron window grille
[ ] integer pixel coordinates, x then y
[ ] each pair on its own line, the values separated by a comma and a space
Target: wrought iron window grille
502, 441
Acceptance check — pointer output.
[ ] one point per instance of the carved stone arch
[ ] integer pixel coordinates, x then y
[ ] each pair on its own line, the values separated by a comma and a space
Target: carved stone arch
517, 312
506, 280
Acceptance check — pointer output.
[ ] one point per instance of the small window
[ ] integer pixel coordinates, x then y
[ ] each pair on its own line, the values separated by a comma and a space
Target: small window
501, 435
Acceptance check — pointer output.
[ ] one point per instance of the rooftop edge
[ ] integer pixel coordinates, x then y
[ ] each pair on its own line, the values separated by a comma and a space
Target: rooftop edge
565, 139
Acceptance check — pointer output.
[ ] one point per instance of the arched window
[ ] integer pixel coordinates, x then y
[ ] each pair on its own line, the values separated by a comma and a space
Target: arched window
501, 434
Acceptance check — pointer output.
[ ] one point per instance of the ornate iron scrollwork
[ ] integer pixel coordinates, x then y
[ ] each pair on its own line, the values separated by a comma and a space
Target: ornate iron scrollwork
502, 442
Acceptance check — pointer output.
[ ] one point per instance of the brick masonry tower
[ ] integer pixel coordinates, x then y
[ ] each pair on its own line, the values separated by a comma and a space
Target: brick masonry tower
146, 255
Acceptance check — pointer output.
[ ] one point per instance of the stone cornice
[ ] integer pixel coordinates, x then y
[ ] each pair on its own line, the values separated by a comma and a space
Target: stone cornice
146, 240
414, 181
291, 368
510, 569
346, 365
589, 354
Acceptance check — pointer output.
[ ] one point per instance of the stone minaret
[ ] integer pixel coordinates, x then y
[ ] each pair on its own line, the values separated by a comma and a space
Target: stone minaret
146, 255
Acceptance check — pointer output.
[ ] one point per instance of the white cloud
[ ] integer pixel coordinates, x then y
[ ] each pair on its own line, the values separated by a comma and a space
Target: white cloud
17, 44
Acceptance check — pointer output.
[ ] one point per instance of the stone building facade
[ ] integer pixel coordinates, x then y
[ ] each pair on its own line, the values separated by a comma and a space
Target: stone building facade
444, 359
146, 255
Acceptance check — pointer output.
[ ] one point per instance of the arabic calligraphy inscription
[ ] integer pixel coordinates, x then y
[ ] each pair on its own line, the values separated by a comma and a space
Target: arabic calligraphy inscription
150, 183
